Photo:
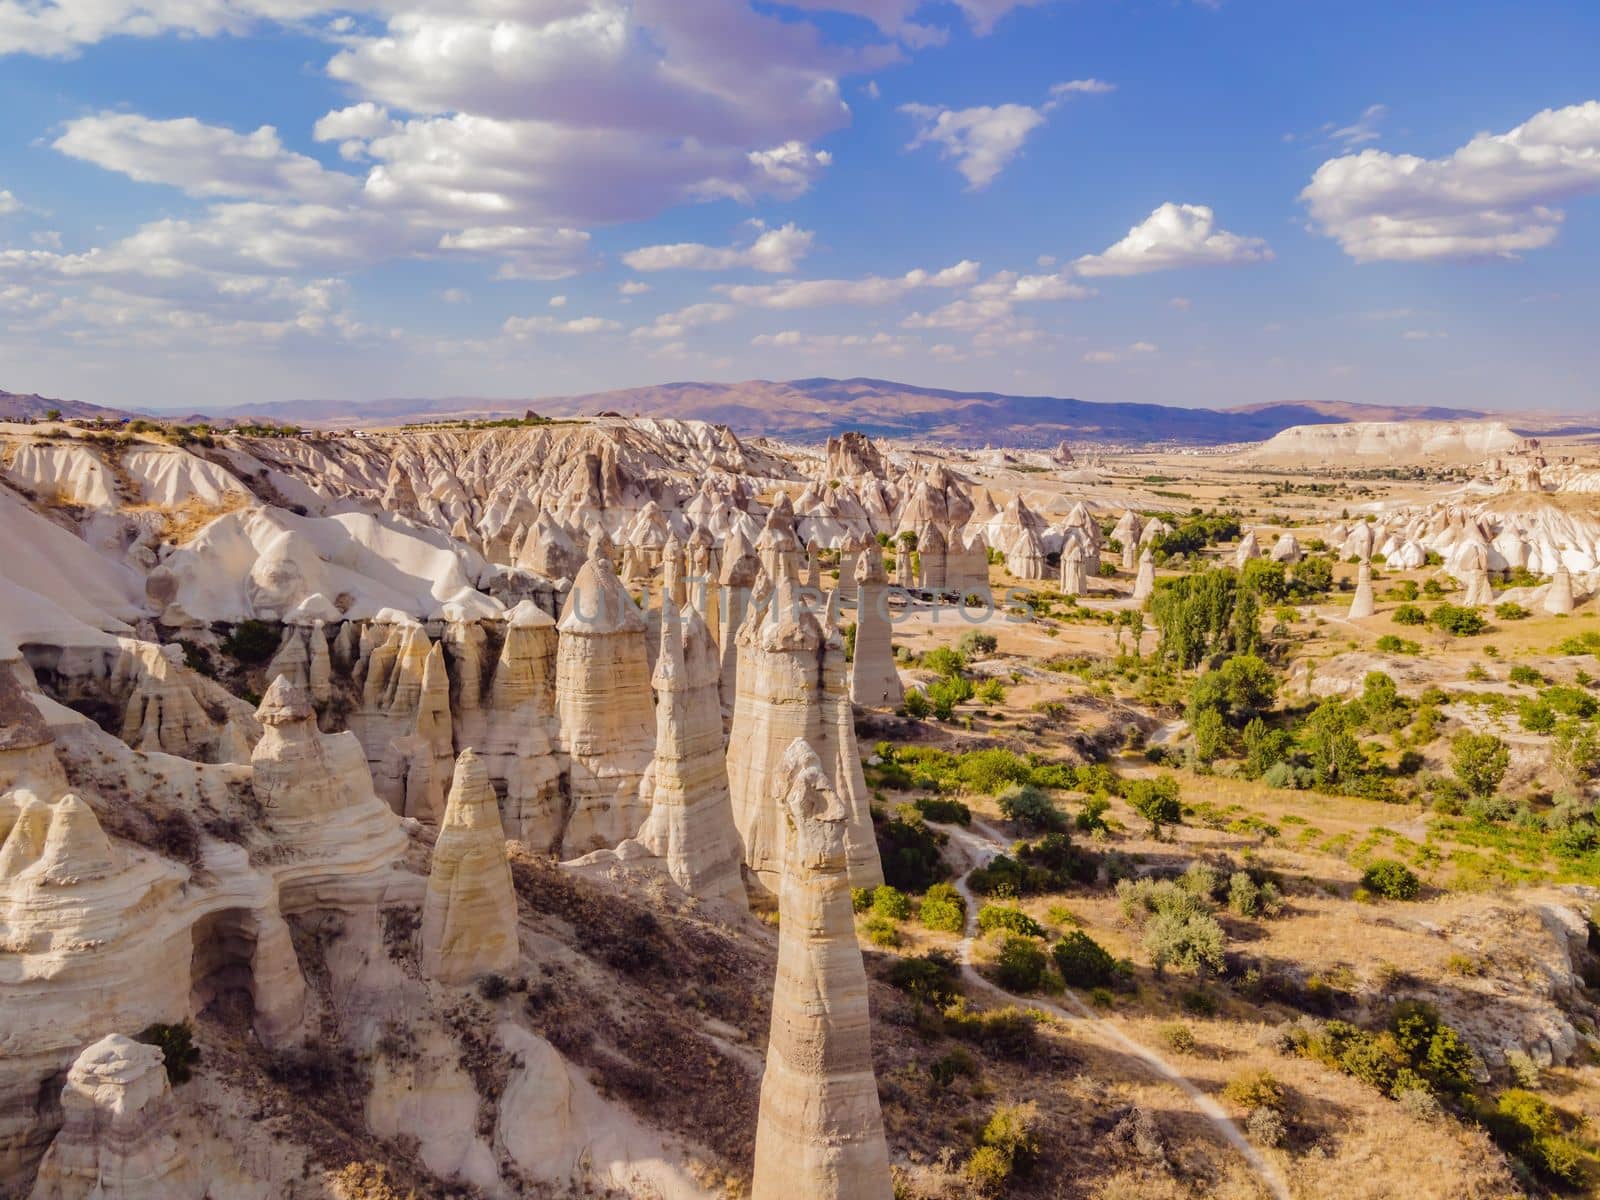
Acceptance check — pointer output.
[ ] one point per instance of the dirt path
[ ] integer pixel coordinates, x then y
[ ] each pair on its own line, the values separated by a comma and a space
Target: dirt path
980, 844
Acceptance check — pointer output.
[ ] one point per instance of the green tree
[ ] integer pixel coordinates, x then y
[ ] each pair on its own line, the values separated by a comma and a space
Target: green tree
1479, 761
1156, 800
1334, 753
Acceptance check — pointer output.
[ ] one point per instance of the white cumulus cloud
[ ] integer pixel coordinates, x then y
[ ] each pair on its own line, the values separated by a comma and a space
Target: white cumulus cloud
873, 289
774, 251
982, 141
1497, 196
1174, 235
203, 160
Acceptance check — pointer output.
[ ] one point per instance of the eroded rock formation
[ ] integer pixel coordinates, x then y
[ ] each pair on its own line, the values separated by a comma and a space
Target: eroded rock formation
820, 1132
469, 917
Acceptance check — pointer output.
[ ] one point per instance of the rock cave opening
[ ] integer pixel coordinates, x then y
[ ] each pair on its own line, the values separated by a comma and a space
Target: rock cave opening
221, 971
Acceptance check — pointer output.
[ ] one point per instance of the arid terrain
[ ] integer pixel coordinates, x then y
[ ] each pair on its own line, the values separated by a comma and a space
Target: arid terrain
610, 805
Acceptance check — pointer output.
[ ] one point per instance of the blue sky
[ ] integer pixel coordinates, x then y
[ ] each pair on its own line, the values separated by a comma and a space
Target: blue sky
206, 202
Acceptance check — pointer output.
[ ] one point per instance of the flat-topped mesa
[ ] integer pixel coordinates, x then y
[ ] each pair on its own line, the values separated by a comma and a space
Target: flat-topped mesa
874, 681
517, 743
604, 710
792, 685
820, 1131
689, 833
469, 914
1145, 583
1248, 550
1362, 604
118, 1139
1072, 573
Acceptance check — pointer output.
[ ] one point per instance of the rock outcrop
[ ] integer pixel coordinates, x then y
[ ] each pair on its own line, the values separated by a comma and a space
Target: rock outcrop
820, 1132
1072, 580
792, 685
1145, 583
1362, 604
874, 681
118, 1137
689, 834
604, 710
469, 916
517, 740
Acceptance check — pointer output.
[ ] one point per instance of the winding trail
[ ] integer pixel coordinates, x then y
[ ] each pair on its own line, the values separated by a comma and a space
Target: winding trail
980, 844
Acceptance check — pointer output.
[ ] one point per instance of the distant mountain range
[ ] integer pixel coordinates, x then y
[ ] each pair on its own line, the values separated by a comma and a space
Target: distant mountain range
809, 410
813, 409
14, 406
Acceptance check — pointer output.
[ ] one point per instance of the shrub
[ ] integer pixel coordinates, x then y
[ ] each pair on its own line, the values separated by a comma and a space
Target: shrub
931, 978
991, 691
989, 771
1254, 1089
881, 931
944, 662
1408, 614
1247, 898
1007, 1146
909, 850
944, 810
1510, 610
1156, 800
1531, 1128
860, 899
891, 902
251, 643
176, 1043
943, 909
975, 643
1190, 942
1083, 962
1012, 920
1021, 965
956, 1065
1266, 1127
987, 1170
1457, 621
1179, 1038
1030, 808
915, 703
1010, 1032
1391, 879
1092, 816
